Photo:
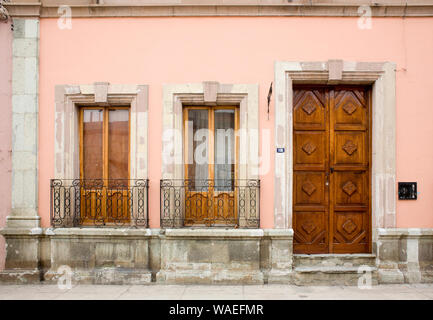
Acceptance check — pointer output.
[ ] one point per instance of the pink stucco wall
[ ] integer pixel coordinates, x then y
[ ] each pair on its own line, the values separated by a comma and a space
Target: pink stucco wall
5, 128
155, 51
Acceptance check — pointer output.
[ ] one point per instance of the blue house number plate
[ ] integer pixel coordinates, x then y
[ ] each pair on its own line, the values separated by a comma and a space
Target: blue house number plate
280, 150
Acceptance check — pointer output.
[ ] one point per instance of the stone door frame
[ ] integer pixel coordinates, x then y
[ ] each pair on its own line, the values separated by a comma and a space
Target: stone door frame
381, 75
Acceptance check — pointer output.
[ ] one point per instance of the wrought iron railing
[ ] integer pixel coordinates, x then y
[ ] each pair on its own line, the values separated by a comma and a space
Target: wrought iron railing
98, 202
210, 203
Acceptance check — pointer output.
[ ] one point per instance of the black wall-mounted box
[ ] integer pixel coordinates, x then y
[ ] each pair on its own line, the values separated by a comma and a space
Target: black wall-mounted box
407, 191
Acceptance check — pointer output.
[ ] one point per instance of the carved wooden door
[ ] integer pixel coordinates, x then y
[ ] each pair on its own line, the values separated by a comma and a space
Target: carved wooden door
331, 172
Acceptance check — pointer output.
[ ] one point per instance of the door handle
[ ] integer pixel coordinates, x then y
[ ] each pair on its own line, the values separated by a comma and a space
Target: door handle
331, 170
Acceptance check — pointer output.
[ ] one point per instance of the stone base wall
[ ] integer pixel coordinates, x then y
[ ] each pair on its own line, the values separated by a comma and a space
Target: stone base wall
225, 256
404, 255
100, 256
216, 256
204, 256
140, 256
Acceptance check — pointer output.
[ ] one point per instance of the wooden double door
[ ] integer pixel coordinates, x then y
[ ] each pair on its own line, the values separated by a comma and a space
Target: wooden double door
331, 169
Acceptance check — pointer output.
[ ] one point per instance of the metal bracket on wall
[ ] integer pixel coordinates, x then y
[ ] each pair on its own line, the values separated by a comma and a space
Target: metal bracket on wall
269, 97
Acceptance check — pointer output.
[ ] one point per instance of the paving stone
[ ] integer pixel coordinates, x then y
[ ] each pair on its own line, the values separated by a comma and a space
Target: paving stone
194, 292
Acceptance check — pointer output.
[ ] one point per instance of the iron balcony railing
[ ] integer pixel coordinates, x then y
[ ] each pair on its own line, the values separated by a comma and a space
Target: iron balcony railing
210, 203
99, 202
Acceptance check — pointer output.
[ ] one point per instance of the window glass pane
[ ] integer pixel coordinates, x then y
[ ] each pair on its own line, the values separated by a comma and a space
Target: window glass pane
118, 144
92, 144
224, 149
198, 147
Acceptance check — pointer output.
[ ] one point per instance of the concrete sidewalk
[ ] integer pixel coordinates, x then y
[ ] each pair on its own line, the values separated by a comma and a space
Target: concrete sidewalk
196, 292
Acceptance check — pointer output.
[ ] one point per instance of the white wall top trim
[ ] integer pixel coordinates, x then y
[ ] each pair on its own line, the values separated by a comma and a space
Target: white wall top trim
170, 8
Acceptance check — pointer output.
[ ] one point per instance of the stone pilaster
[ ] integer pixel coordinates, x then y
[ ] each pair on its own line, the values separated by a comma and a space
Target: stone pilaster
25, 68
22, 232
280, 255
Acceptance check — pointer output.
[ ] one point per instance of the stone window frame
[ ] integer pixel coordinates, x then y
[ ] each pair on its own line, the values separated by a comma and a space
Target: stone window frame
210, 93
68, 98
381, 75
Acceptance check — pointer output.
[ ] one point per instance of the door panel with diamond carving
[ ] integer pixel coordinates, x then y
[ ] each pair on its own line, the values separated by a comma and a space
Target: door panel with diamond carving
310, 189
331, 169
349, 148
310, 164
312, 155
350, 182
